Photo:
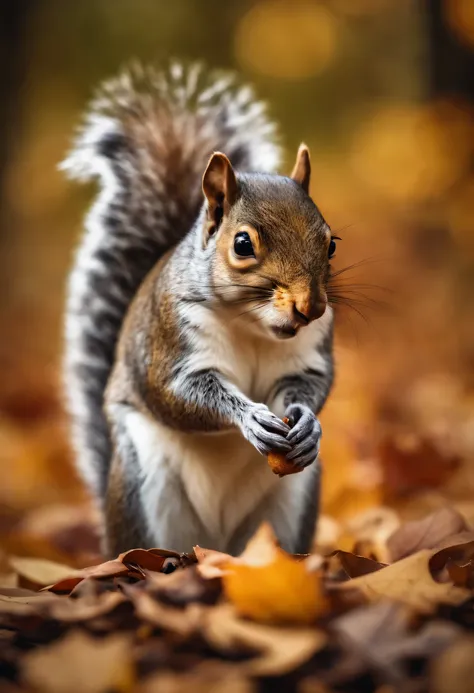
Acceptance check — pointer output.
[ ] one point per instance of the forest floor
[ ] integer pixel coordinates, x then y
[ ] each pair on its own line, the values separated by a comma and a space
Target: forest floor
391, 611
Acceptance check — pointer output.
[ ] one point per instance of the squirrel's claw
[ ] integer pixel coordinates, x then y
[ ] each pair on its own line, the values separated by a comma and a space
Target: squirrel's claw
305, 436
265, 431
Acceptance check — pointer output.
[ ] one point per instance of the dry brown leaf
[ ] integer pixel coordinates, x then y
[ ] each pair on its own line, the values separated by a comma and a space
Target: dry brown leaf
279, 650
179, 621
350, 565
20, 606
456, 540
9, 579
426, 533
409, 581
378, 637
103, 570
184, 587
207, 677
366, 534
80, 662
462, 574
40, 571
268, 585
451, 672
454, 563
146, 559
85, 608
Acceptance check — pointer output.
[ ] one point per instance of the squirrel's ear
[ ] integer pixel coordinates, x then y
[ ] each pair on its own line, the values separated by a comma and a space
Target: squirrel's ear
219, 185
302, 169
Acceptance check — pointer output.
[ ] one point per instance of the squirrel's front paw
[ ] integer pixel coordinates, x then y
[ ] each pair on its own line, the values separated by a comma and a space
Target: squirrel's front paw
264, 430
305, 435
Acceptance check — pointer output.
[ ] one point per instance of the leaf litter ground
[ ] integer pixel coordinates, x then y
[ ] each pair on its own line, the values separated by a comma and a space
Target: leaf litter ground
396, 616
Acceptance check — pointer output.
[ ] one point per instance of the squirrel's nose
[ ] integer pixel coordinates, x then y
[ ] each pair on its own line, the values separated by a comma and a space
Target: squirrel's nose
305, 310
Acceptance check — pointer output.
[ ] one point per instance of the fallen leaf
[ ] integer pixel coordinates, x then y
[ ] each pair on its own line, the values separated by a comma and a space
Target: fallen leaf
147, 560
426, 533
378, 638
349, 565
40, 571
103, 570
408, 581
142, 559
85, 608
261, 548
78, 660
8, 579
184, 587
179, 621
210, 562
279, 650
271, 586
366, 534
456, 540
206, 677
445, 564
451, 672
462, 574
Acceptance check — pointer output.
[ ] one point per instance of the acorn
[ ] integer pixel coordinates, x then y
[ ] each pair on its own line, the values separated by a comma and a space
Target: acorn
280, 465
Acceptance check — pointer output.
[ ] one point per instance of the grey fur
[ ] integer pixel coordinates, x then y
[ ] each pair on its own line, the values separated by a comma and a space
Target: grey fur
305, 435
147, 138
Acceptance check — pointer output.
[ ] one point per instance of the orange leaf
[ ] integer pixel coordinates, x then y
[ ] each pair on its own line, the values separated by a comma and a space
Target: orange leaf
270, 586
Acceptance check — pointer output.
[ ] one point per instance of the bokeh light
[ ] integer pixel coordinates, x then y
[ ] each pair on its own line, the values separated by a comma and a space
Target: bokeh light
286, 40
355, 8
460, 15
410, 153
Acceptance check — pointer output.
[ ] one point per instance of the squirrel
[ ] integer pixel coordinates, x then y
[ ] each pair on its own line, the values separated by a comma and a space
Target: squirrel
197, 317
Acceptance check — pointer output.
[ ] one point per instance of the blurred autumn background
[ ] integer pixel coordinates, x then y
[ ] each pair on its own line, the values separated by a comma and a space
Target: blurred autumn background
383, 93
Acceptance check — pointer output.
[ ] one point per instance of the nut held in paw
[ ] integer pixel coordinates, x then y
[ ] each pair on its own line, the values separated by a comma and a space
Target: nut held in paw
280, 465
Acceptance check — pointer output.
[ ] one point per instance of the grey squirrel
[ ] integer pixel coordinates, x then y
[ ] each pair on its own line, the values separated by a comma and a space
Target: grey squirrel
197, 317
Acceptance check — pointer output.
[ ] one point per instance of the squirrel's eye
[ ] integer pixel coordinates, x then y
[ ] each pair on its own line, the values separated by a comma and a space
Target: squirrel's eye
243, 245
332, 248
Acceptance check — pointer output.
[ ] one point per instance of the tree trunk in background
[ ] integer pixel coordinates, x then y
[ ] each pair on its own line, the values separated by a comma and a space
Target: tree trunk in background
14, 21
451, 76
451, 62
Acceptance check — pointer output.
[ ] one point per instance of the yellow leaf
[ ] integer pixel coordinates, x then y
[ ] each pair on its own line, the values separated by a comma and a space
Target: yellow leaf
269, 585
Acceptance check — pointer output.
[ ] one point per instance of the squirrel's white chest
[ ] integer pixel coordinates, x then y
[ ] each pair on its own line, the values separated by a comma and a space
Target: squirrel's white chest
252, 364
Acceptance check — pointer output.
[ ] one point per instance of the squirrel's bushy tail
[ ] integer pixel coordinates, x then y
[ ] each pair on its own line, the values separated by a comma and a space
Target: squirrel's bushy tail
147, 138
